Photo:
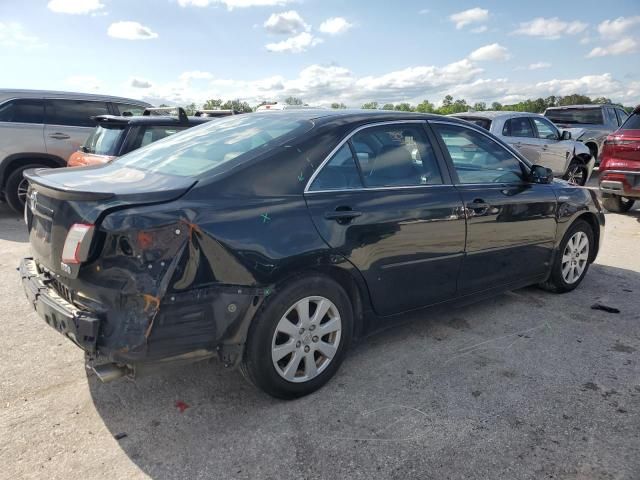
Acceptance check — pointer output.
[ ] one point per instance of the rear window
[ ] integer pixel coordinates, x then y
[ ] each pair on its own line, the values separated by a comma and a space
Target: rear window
75, 113
481, 122
203, 148
144, 135
632, 122
129, 110
22, 111
578, 116
104, 140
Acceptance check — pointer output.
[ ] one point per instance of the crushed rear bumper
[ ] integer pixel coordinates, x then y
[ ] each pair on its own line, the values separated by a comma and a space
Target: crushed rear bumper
78, 326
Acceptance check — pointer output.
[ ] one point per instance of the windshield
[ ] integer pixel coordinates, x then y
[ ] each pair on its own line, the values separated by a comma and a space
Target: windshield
479, 121
579, 116
200, 149
104, 140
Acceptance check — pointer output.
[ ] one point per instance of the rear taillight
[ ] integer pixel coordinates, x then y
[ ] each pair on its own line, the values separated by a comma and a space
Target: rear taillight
77, 243
618, 141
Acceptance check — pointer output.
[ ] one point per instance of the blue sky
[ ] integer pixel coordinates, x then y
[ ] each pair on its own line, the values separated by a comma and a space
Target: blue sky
178, 51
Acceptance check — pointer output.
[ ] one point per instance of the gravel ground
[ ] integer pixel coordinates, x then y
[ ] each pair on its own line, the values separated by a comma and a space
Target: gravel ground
525, 385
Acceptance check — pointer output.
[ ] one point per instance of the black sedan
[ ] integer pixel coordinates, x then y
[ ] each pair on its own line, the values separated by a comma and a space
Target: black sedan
273, 240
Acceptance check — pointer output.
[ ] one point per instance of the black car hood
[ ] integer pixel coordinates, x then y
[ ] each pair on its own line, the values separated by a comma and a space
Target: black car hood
111, 181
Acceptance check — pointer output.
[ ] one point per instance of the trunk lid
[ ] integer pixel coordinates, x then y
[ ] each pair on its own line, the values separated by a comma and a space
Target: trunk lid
59, 198
622, 150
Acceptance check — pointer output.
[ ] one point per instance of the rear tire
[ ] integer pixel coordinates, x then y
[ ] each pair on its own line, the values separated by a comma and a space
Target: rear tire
571, 261
278, 328
577, 173
617, 204
15, 190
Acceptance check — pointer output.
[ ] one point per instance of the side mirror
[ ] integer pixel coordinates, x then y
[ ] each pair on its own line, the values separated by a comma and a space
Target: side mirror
566, 135
540, 174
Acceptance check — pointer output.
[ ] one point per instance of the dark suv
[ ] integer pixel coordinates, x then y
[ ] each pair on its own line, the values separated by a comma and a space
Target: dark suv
116, 135
42, 128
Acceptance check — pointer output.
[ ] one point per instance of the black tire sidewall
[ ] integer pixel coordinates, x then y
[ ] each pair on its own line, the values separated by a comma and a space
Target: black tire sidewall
615, 204
11, 187
556, 274
585, 171
257, 359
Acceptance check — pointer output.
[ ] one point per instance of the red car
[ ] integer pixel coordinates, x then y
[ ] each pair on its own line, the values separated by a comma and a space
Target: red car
620, 166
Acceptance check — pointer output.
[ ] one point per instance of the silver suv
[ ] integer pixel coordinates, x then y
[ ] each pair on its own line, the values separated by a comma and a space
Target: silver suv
535, 137
42, 129
588, 123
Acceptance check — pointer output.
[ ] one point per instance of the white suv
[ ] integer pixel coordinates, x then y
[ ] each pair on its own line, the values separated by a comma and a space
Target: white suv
42, 129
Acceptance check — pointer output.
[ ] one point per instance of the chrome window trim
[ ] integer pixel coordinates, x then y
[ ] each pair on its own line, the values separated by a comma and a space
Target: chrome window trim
345, 140
508, 149
369, 189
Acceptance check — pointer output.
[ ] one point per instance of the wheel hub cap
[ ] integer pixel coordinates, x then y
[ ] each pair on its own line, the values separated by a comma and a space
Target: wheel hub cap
575, 257
306, 339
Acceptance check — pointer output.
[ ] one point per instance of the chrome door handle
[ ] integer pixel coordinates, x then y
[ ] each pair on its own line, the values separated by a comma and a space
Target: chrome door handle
59, 136
478, 207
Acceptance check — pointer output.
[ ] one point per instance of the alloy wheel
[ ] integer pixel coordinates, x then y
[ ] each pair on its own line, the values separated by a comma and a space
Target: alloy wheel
575, 257
576, 175
306, 339
23, 187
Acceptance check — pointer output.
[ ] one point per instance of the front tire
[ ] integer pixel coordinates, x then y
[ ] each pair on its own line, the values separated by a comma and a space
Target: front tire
571, 261
299, 338
15, 190
577, 173
617, 204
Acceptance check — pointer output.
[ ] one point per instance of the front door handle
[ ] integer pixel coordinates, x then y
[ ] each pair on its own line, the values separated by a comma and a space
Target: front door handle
59, 136
478, 207
342, 215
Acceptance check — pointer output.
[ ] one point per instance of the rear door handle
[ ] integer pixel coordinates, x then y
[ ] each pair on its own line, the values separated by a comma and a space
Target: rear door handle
342, 215
59, 136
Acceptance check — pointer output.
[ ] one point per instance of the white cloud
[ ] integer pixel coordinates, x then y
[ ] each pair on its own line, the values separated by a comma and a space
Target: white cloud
14, 35
195, 75
466, 17
550, 28
621, 47
493, 52
335, 26
75, 7
286, 23
140, 83
299, 43
231, 4
84, 83
539, 65
617, 27
130, 31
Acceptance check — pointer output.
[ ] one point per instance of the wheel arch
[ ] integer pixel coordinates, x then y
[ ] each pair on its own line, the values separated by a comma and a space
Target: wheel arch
13, 162
592, 220
592, 145
345, 277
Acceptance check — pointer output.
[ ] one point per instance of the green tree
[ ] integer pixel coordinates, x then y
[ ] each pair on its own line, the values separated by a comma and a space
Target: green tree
237, 106
190, 109
602, 100
480, 106
574, 99
425, 107
388, 106
212, 104
496, 106
404, 107
338, 106
293, 101
370, 105
447, 101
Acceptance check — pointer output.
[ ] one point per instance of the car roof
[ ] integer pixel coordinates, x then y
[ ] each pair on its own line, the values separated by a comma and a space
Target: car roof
592, 105
322, 116
493, 114
6, 94
159, 120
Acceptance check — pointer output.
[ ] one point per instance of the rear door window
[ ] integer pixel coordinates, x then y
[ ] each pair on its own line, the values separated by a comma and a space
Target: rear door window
76, 113
22, 111
339, 173
518, 127
622, 115
396, 155
611, 115
632, 122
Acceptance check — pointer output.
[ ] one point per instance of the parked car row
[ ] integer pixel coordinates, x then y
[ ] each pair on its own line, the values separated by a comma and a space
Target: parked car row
540, 141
